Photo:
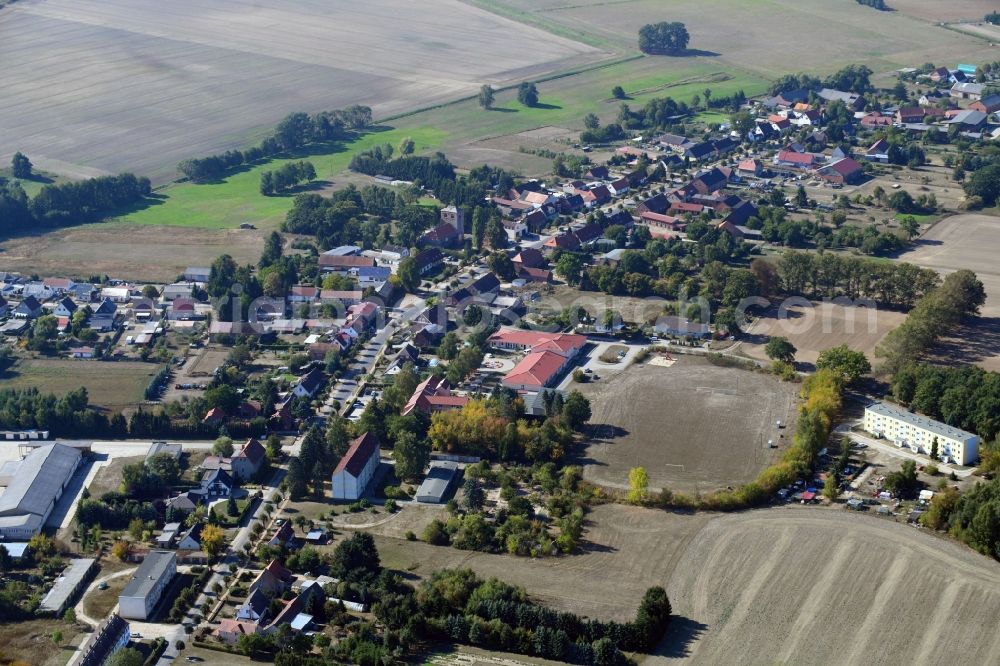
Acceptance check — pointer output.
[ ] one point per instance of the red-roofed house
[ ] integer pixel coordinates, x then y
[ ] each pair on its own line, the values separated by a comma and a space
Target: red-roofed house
273, 580
790, 158
332, 263
356, 468
229, 630
749, 167
875, 119
842, 171
433, 395
247, 461
516, 339
662, 222
536, 371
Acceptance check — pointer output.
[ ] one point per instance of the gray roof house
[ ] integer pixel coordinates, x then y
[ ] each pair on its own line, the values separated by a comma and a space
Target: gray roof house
29, 308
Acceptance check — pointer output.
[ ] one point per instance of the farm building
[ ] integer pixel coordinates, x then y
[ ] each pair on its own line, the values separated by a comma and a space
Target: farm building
34, 485
439, 479
356, 468
67, 585
918, 433
147, 584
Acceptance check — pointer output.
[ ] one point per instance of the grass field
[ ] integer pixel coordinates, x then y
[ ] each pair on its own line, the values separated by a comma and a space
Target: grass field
237, 199
820, 326
967, 241
110, 385
666, 419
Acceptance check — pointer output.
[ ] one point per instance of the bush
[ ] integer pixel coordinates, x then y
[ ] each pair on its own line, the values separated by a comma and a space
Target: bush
931, 469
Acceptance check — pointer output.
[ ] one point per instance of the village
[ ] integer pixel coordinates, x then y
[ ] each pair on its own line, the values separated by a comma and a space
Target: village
476, 391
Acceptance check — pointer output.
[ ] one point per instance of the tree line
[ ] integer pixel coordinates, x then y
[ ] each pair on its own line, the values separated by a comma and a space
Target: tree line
64, 204
286, 176
965, 396
295, 131
831, 275
935, 314
852, 78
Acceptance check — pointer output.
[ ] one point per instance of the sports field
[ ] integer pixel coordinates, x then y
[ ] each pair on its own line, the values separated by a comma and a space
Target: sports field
667, 420
92, 86
110, 385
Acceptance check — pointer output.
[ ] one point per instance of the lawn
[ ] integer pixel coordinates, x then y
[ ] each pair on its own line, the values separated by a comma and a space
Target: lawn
237, 198
110, 385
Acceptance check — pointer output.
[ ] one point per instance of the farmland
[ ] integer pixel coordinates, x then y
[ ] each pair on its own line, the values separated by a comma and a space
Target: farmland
92, 87
143, 253
745, 586
739, 585
816, 326
967, 241
821, 34
666, 419
109, 386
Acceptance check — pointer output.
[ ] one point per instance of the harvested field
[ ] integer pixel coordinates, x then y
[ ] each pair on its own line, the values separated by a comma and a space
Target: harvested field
666, 419
740, 591
823, 35
817, 326
969, 241
106, 86
954, 10
797, 585
112, 385
146, 253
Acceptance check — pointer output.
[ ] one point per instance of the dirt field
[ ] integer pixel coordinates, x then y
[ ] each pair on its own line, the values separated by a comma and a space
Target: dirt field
666, 419
954, 10
110, 385
140, 253
874, 592
818, 327
806, 585
31, 642
823, 35
104, 86
968, 241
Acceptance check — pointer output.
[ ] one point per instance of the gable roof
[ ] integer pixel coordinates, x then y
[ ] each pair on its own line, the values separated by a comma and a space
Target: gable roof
529, 257
357, 456
312, 380
536, 369
252, 451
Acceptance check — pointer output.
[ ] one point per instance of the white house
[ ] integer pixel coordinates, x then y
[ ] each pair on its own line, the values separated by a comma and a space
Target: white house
356, 468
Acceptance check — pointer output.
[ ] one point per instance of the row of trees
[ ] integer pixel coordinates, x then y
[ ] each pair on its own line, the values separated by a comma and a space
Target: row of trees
830, 275
937, 312
852, 78
286, 176
295, 131
65, 204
